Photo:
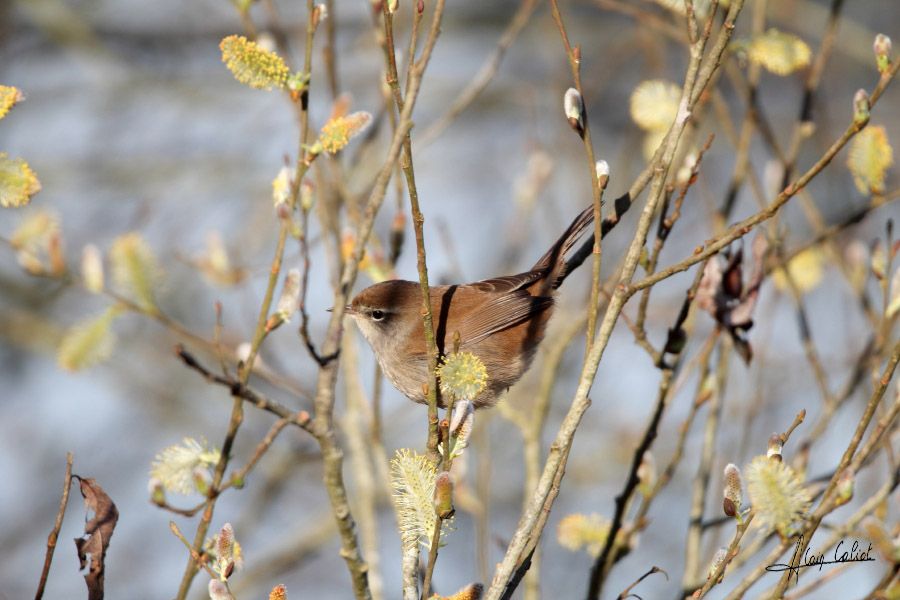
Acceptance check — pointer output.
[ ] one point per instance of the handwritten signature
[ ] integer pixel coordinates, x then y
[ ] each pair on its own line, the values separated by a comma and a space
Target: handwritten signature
801, 560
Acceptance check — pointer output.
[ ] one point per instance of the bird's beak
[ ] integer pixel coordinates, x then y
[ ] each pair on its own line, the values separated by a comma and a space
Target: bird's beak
349, 310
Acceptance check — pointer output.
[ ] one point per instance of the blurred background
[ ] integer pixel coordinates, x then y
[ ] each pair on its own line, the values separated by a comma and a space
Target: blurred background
133, 123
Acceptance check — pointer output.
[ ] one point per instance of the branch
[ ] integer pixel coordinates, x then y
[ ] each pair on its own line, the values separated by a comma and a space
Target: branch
829, 501
742, 527
237, 389
54, 533
744, 227
261, 331
530, 524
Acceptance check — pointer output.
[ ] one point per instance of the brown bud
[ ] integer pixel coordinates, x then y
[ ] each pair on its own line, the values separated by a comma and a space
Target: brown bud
732, 492
443, 495
776, 443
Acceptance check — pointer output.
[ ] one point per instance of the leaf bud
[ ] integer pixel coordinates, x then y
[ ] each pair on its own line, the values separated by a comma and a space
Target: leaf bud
861, 108
731, 502
574, 109
443, 495
718, 559
602, 168
882, 48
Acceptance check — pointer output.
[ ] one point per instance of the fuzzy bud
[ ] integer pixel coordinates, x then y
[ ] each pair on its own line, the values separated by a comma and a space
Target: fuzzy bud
602, 168
861, 107
281, 187
443, 495
574, 108
307, 195
225, 541
882, 48
775, 446
92, 269
718, 559
731, 502
463, 376
279, 592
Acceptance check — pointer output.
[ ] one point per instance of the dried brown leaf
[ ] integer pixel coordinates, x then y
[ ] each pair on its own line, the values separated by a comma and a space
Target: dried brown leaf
728, 298
741, 315
97, 533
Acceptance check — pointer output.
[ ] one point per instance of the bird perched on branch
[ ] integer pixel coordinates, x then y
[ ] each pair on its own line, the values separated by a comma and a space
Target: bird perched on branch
500, 320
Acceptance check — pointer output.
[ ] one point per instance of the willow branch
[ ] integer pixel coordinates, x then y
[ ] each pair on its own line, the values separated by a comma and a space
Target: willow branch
529, 527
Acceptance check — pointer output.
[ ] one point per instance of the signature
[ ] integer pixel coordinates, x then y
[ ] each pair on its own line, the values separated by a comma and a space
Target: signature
801, 559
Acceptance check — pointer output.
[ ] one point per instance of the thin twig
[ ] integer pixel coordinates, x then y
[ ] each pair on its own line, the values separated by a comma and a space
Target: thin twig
530, 525
261, 331
238, 477
300, 419
608, 555
704, 468
432, 557
332, 456
57, 525
829, 501
742, 527
197, 557
573, 55
626, 593
742, 228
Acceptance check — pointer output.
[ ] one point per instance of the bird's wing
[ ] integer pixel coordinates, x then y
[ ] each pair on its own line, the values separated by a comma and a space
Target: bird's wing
508, 283
502, 312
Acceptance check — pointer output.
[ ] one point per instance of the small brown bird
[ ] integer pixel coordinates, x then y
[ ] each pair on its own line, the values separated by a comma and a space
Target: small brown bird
500, 320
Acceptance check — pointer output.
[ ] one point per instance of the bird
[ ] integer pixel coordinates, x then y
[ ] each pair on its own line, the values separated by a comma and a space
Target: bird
501, 320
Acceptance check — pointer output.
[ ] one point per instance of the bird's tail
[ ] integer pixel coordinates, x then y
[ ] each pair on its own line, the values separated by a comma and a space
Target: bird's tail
555, 258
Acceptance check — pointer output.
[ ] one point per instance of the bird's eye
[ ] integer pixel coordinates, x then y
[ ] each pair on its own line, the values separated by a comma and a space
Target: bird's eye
377, 315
